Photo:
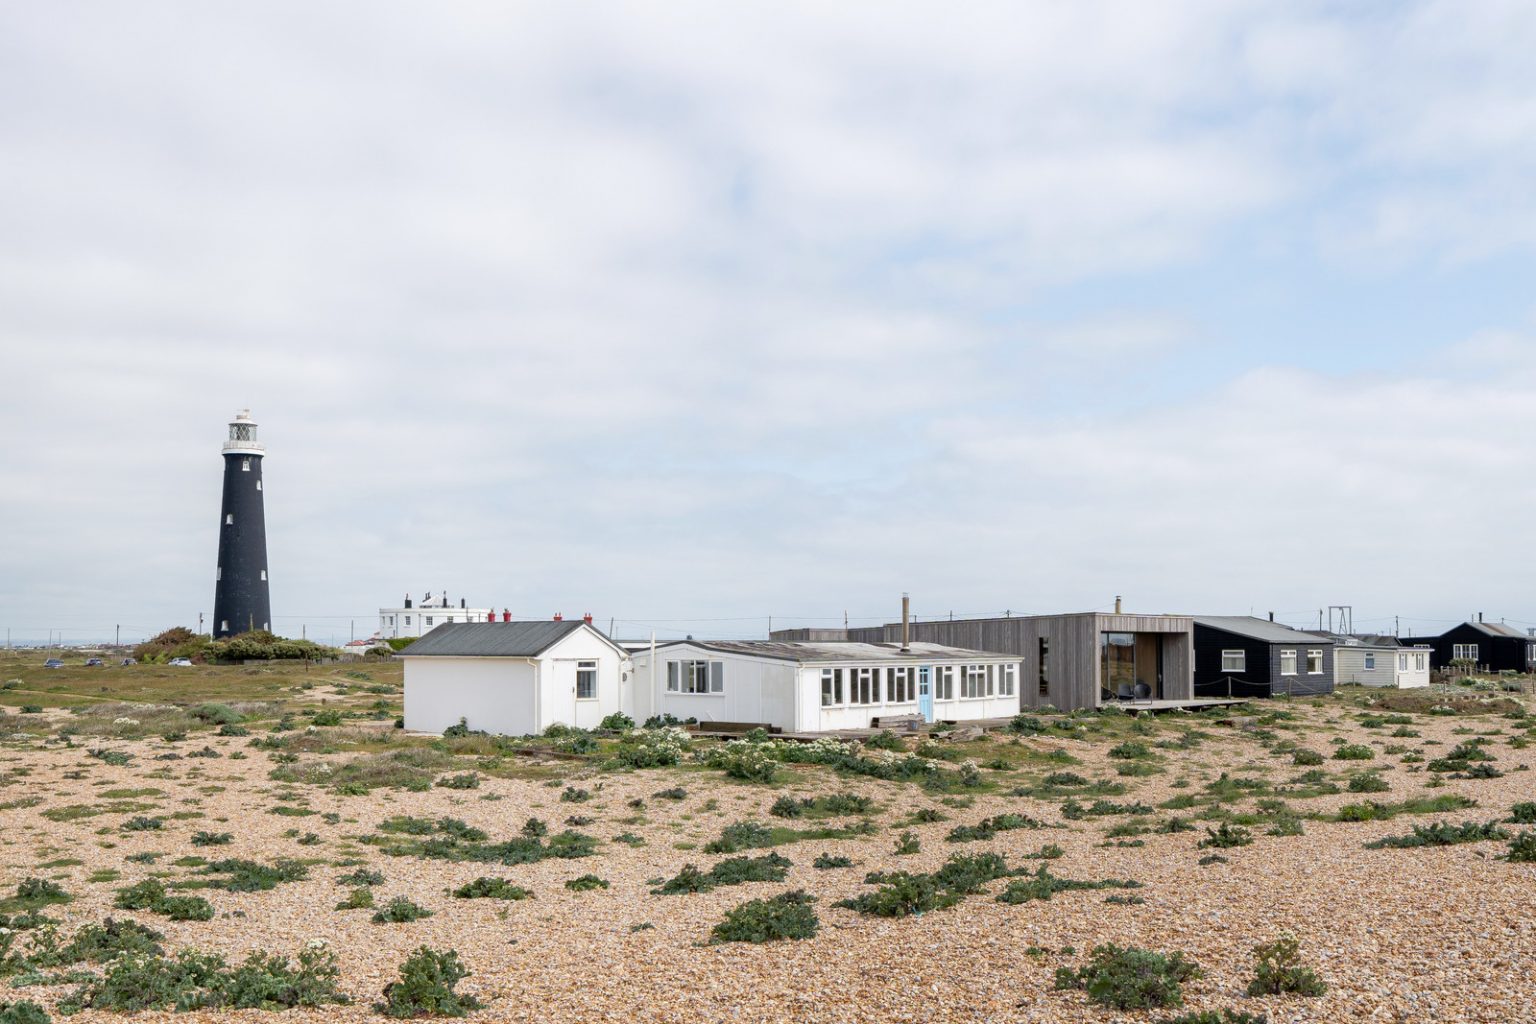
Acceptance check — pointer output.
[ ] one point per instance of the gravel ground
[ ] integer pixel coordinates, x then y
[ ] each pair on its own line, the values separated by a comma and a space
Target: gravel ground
1434, 934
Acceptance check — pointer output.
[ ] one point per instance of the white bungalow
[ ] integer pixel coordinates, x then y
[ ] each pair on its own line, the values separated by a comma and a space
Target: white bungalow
817, 687
1379, 661
513, 678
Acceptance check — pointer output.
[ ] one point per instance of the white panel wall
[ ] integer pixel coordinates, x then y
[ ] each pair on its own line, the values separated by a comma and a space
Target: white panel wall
494, 694
1349, 666
557, 690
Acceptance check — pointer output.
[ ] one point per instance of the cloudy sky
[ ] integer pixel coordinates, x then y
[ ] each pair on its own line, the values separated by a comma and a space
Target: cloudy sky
692, 314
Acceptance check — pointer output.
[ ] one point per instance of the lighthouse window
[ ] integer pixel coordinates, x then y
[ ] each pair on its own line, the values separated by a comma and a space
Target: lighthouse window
224, 626
218, 573
229, 519
245, 465
258, 485
263, 574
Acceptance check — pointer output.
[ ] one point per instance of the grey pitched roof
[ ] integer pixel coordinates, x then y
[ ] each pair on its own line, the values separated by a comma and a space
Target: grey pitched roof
492, 639
1499, 629
1260, 629
842, 650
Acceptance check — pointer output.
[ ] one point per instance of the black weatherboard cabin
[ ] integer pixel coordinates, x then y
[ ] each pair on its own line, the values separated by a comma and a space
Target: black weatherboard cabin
1490, 646
241, 600
1241, 656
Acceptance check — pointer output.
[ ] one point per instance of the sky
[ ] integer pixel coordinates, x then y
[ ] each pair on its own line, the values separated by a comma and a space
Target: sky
693, 315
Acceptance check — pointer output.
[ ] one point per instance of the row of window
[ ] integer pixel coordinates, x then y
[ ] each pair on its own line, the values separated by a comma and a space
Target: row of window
695, 677
1237, 661
426, 620
1464, 652
854, 687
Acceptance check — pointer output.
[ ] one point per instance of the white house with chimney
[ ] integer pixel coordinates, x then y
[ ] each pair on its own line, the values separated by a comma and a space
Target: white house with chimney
418, 618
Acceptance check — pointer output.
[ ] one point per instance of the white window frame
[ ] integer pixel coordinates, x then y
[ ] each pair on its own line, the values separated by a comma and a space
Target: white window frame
1286, 655
944, 682
586, 673
1418, 662
1315, 653
1008, 678
407, 620
832, 692
1370, 661
973, 682
1234, 660
901, 684
1464, 652
863, 687
426, 620
1402, 662
696, 677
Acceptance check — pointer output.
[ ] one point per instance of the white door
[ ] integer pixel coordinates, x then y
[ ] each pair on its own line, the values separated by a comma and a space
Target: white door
579, 678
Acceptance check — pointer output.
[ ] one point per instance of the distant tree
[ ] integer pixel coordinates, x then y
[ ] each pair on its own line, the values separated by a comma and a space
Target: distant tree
176, 642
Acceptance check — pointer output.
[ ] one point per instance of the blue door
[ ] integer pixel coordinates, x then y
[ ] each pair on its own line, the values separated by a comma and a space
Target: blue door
925, 693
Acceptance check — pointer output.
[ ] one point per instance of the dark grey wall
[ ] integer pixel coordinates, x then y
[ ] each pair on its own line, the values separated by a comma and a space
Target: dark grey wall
240, 595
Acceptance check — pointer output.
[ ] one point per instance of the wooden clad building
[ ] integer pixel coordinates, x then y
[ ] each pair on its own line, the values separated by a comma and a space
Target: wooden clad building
1076, 660
1490, 646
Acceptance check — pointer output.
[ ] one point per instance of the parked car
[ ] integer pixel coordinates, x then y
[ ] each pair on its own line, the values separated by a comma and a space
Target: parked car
180, 662
93, 663
53, 663
130, 661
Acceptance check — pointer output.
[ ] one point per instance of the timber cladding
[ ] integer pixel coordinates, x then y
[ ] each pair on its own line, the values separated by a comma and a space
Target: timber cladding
1071, 654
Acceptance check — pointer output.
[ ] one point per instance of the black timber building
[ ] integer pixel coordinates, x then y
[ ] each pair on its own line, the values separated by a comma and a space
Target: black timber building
1242, 656
1489, 646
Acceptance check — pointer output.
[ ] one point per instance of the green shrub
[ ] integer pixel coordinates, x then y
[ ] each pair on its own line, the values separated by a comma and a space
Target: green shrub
988, 828
586, 883
742, 835
1354, 752
1225, 836
197, 981
885, 740
617, 722
675, 793
362, 876
216, 714
212, 838
731, 871
832, 805
140, 896
400, 910
23, 1012
1368, 782
491, 888
575, 795
326, 718
1130, 750
360, 898
828, 861
249, 876
1130, 978
426, 987
786, 916
40, 892
1042, 885
907, 843
901, 895
140, 823
1441, 834
1279, 970
1522, 849
33, 709
184, 908
464, 780
1216, 1017
1523, 813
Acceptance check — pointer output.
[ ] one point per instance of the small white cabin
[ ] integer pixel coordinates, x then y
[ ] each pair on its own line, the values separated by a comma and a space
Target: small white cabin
1380, 664
513, 678
819, 687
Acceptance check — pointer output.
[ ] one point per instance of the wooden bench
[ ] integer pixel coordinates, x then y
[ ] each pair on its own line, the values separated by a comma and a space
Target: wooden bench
909, 722
734, 728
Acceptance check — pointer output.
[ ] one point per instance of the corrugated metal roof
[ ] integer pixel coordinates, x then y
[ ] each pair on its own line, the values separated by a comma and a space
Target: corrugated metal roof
492, 639
1260, 629
808, 651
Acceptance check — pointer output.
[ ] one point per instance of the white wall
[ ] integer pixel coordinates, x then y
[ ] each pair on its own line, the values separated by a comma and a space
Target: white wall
493, 694
1349, 666
392, 620
557, 681
784, 694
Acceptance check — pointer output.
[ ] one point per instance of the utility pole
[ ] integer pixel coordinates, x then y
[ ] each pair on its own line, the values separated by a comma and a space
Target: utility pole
119, 641
199, 623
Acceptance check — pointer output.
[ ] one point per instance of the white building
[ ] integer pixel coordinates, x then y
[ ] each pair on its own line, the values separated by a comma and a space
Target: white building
817, 687
1379, 661
513, 678
426, 616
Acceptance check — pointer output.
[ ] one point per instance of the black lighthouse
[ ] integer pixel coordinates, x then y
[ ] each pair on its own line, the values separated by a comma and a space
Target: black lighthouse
240, 599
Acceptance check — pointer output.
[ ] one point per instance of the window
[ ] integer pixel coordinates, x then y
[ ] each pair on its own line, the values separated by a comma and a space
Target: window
263, 574
258, 485
1314, 663
1287, 663
1464, 652
229, 519
1007, 680
245, 465
426, 620
899, 687
1402, 662
944, 682
224, 626
697, 677
1045, 666
407, 620
831, 687
586, 680
218, 573
863, 686
1418, 663
1235, 661
1370, 661
973, 682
